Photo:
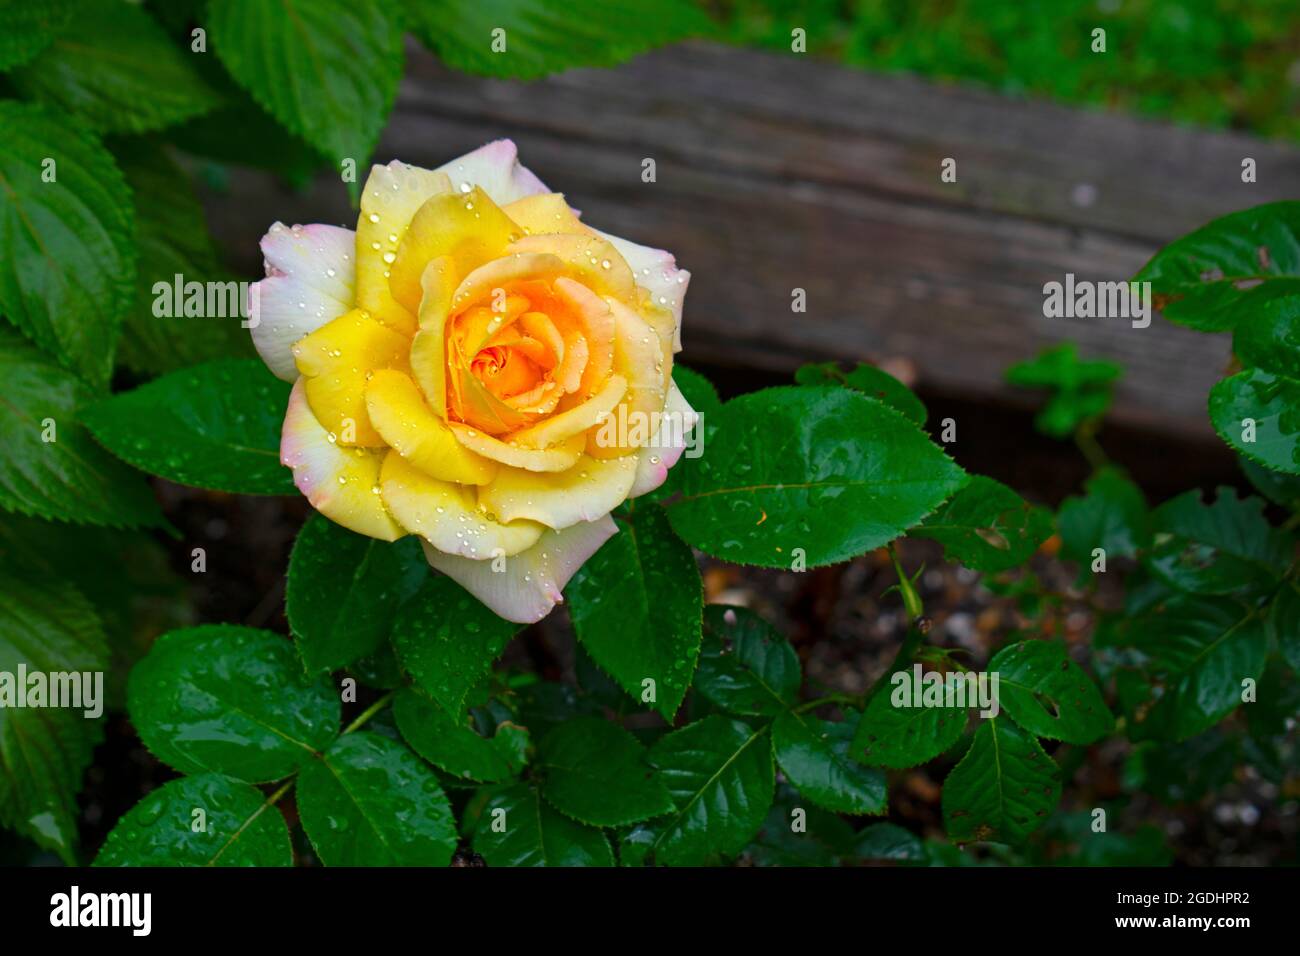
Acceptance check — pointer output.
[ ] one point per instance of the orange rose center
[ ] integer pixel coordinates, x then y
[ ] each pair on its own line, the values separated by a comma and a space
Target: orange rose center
513, 356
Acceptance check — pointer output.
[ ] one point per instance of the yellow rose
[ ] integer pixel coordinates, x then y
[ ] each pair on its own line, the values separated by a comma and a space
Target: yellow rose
475, 366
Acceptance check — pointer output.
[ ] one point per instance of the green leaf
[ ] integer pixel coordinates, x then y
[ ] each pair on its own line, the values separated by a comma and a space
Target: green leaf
380, 669
47, 627
211, 426
721, 778
1204, 647
231, 700
240, 828
871, 381
1111, 516
1002, 789
28, 28
1277, 487
1073, 842
697, 390
368, 801
542, 37
797, 835
1225, 271
116, 69
888, 841
1284, 622
1183, 772
68, 478
344, 592
1217, 548
746, 667
824, 470
1080, 390
517, 828
456, 747
596, 772
67, 246
173, 240
636, 607
544, 705
446, 640
1269, 338
125, 575
242, 133
902, 736
1272, 403
328, 69
814, 754
1048, 694
987, 526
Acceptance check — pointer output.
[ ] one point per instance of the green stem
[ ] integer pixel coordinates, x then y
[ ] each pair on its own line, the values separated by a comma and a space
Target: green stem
902, 660
369, 712
285, 787
1085, 437
848, 700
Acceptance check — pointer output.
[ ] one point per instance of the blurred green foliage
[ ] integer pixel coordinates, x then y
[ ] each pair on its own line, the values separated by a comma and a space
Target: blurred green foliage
1224, 63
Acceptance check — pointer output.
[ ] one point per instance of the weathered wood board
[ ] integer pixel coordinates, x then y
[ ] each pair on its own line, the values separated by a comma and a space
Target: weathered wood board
775, 173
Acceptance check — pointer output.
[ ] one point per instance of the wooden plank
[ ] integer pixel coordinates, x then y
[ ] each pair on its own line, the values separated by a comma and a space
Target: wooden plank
776, 173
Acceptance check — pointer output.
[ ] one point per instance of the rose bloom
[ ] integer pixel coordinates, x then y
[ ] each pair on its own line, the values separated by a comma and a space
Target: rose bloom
454, 361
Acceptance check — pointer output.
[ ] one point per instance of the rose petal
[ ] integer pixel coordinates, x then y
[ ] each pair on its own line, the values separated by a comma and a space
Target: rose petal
447, 516
311, 277
666, 448
639, 359
339, 482
399, 413
559, 458
565, 425
496, 169
545, 213
336, 361
586, 491
655, 270
533, 581
389, 199
598, 327
591, 259
468, 229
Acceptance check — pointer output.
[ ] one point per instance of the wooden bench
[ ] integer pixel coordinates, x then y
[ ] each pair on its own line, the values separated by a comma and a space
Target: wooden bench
780, 172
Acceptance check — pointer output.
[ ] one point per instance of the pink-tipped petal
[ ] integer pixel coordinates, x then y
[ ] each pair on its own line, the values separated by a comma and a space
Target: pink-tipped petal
655, 270
341, 483
666, 448
311, 279
530, 583
496, 169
